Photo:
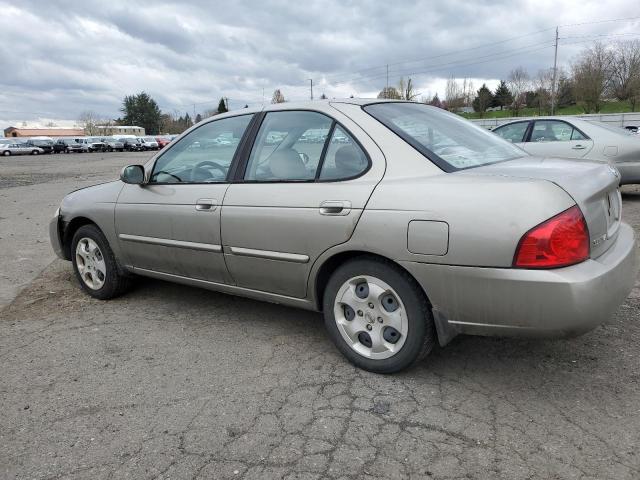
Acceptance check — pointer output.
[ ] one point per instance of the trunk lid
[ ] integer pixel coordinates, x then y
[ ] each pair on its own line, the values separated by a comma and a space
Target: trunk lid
593, 186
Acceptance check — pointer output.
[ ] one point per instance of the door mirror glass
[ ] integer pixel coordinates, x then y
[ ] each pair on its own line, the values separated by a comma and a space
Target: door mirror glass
133, 174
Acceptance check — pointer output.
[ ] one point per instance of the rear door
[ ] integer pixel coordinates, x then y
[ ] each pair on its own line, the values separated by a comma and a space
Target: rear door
301, 191
557, 138
171, 224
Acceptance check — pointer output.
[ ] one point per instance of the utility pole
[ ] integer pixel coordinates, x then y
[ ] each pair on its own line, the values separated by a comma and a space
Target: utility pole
555, 74
194, 113
386, 90
311, 87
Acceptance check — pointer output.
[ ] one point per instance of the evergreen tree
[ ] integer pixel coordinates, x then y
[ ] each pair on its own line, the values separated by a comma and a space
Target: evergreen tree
222, 106
143, 111
198, 118
483, 100
502, 97
435, 101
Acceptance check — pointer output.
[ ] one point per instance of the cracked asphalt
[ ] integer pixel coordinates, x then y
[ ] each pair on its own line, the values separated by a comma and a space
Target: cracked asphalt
172, 382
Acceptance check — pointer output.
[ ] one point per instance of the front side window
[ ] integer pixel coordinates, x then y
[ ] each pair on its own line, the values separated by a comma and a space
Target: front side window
288, 146
551, 131
448, 140
514, 132
204, 155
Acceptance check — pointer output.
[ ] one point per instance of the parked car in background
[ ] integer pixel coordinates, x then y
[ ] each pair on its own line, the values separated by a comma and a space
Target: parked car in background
163, 141
67, 145
19, 148
632, 129
45, 144
149, 143
113, 144
131, 144
567, 137
96, 144
408, 226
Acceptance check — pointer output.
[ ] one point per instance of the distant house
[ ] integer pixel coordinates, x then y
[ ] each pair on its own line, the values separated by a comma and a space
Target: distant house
43, 132
120, 130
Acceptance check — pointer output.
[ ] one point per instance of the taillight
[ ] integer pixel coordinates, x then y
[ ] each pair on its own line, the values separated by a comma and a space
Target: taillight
560, 241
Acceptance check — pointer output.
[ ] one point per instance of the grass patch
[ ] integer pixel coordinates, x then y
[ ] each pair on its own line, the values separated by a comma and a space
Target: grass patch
607, 107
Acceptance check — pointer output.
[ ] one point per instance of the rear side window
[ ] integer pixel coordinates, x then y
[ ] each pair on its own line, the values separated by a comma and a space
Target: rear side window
514, 132
344, 158
448, 140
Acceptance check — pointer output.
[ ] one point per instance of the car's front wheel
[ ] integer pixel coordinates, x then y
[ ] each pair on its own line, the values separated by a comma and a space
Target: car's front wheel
377, 315
6, 153
95, 264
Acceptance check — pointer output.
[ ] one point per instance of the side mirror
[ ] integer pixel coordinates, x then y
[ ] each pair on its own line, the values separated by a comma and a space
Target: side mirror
133, 174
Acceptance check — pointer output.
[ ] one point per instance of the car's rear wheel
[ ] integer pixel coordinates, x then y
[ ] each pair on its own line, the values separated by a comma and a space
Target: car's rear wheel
95, 264
377, 315
35, 152
6, 153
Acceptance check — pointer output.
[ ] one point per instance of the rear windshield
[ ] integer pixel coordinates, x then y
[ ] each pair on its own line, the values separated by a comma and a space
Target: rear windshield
448, 140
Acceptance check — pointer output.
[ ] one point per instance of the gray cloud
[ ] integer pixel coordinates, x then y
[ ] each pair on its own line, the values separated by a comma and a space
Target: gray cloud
60, 58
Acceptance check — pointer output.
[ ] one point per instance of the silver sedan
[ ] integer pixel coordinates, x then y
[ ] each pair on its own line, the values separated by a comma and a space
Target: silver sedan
16, 148
575, 138
404, 224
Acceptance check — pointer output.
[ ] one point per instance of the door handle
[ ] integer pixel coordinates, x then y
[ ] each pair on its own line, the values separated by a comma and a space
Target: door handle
335, 207
206, 205
578, 147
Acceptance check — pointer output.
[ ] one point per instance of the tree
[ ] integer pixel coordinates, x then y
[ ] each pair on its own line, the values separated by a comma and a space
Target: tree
626, 72
89, 122
543, 84
592, 73
209, 113
483, 100
518, 83
222, 106
278, 97
198, 118
435, 101
453, 95
143, 111
389, 92
323, 96
564, 92
502, 97
406, 89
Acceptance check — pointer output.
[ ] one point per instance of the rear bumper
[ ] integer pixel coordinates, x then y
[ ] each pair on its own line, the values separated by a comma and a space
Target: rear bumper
629, 172
517, 302
55, 234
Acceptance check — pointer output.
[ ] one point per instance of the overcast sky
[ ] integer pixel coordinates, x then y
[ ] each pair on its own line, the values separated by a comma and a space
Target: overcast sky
59, 58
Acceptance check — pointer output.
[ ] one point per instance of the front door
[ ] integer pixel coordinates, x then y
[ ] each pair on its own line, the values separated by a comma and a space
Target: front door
556, 138
301, 191
171, 224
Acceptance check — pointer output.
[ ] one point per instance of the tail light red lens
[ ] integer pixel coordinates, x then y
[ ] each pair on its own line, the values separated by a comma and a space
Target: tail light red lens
560, 241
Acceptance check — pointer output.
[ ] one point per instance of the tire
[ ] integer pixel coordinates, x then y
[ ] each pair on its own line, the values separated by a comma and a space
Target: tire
106, 279
387, 350
35, 152
67, 150
6, 153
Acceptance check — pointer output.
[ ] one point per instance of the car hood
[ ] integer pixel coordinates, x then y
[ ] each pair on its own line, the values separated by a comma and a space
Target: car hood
593, 185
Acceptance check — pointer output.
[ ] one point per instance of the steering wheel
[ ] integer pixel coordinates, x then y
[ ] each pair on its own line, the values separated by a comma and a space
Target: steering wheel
206, 163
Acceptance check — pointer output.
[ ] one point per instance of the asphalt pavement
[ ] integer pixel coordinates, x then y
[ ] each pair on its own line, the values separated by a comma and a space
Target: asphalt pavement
175, 382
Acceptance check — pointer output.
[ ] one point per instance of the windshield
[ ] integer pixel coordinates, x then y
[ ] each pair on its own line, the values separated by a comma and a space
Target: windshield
449, 141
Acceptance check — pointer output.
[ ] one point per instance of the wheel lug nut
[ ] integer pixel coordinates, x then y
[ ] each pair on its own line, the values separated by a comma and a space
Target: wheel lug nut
360, 313
369, 327
371, 305
380, 319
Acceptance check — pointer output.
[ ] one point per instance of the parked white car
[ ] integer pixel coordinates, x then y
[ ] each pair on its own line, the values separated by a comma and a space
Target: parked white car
7, 149
575, 138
